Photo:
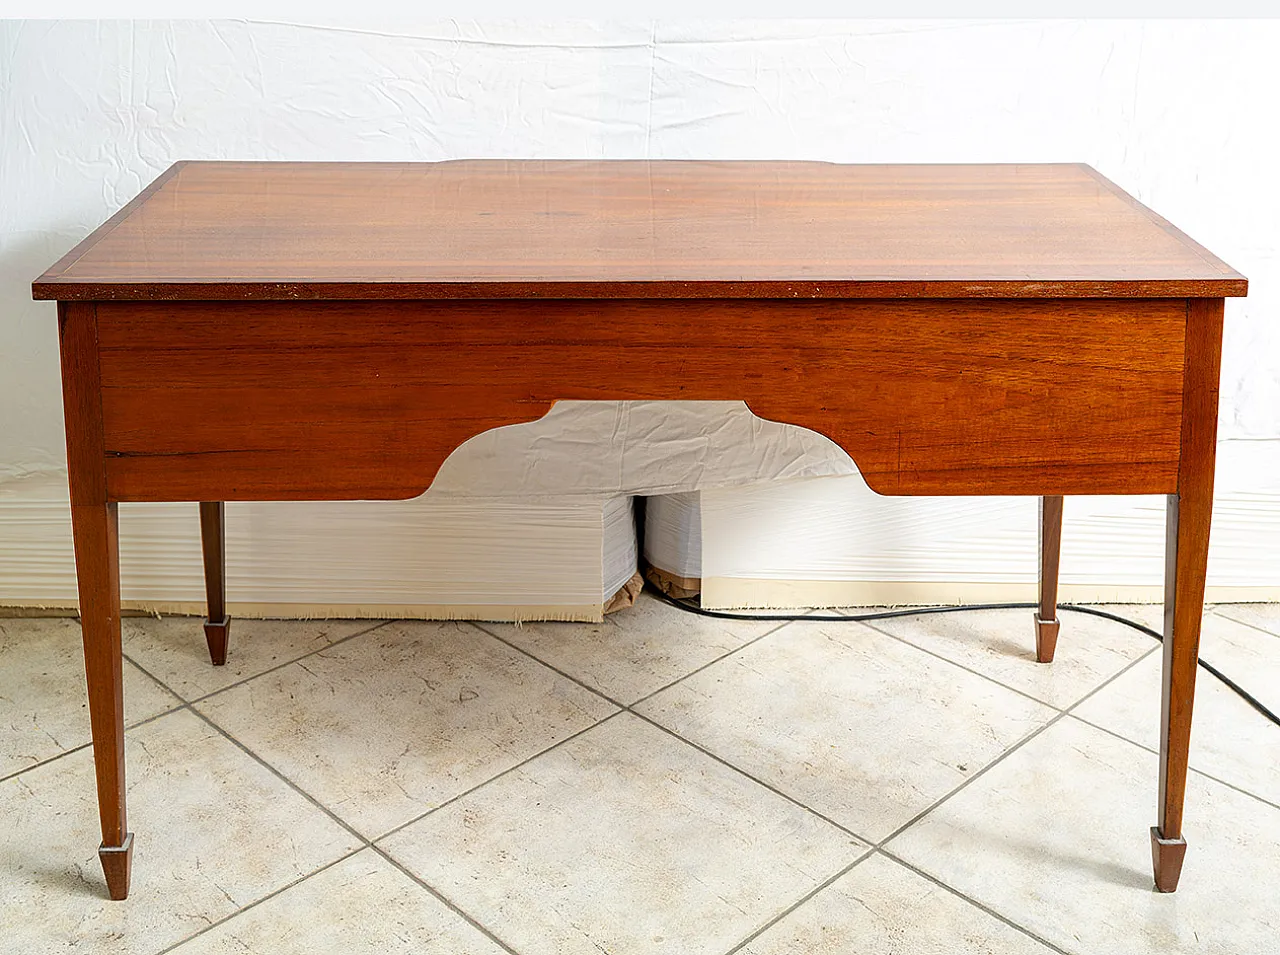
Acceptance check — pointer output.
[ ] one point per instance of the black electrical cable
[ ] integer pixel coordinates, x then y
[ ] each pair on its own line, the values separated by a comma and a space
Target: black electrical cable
689, 607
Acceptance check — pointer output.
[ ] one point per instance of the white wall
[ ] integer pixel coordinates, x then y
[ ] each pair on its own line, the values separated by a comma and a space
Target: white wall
1178, 112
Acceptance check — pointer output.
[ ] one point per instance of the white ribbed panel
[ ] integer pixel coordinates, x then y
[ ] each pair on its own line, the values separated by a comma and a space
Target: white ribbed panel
618, 559
497, 558
831, 541
673, 533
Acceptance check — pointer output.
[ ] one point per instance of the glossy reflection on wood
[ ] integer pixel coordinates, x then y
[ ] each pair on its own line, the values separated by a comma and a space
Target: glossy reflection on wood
269, 331
666, 229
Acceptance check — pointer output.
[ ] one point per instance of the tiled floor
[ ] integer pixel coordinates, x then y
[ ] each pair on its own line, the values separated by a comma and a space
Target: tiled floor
657, 783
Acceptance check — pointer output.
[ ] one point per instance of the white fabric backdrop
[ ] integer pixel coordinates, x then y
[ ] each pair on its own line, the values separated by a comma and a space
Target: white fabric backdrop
1177, 112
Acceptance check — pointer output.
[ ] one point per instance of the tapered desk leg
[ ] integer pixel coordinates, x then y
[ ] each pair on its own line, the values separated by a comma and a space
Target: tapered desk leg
212, 539
1046, 617
98, 571
93, 527
1187, 556
1189, 514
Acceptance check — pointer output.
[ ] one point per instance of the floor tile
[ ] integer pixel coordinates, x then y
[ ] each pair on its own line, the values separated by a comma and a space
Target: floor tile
174, 651
361, 906
44, 706
852, 723
1246, 655
1001, 644
883, 908
214, 830
383, 727
634, 651
1055, 839
623, 840
1229, 739
1263, 616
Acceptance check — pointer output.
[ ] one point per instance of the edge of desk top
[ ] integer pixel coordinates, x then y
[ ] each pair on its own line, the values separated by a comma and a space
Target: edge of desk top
468, 229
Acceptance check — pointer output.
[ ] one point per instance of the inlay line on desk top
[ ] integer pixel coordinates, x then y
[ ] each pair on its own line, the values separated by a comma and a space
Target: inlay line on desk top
635, 229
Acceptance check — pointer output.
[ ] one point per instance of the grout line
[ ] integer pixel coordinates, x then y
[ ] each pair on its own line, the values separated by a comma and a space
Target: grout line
446, 901
624, 708
847, 869
51, 759
190, 708
723, 656
887, 633
1222, 782
147, 676
756, 933
974, 778
155, 716
1059, 714
278, 666
1035, 699
878, 847
760, 782
1119, 736
1244, 623
182, 701
364, 842
510, 769
555, 669
667, 686
1014, 748
181, 704
1068, 714
256, 902
1199, 772
974, 902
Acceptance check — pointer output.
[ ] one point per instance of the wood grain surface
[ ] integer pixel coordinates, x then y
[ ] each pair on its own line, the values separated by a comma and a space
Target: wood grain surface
322, 400
666, 229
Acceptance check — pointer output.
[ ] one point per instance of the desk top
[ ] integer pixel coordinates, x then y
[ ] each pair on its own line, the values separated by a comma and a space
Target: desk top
633, 229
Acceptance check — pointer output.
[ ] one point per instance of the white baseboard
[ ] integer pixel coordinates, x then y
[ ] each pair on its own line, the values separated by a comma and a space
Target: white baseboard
741, 593
497, 613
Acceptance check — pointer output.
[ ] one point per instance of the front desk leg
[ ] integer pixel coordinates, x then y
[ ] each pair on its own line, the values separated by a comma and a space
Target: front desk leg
213, 545
1189, 515
1046, 617
1186, 559
98, 574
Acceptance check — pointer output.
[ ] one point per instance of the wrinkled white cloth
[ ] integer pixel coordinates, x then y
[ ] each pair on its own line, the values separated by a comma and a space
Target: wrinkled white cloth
606, 448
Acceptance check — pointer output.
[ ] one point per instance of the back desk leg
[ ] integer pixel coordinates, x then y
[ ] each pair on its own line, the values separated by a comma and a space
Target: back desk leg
98, 574
1046, 617
213, 544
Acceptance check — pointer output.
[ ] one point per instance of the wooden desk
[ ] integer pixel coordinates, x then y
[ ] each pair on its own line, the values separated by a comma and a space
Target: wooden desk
272, 331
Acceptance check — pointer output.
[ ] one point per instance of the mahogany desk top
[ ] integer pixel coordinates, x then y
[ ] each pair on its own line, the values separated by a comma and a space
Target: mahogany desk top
670, 229
271, 331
